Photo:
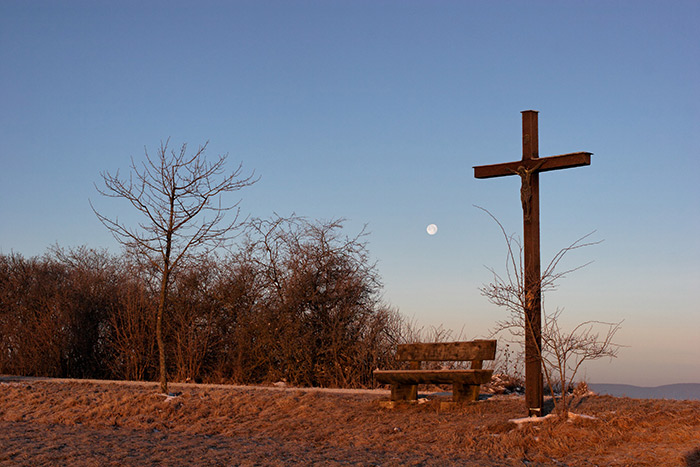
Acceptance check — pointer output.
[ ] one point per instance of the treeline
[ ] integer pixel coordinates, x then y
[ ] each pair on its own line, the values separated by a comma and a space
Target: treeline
297, 301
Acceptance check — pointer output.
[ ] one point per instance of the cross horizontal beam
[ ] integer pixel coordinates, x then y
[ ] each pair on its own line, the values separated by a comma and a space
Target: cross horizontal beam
543, 164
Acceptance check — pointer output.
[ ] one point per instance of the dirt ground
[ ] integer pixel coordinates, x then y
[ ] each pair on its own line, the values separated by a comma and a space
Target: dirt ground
57, 422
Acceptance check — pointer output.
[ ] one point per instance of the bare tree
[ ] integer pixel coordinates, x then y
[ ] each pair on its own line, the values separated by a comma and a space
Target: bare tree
174, 193
561, 352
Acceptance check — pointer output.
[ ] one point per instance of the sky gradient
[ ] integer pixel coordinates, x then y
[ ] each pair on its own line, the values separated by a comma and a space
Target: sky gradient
376, 112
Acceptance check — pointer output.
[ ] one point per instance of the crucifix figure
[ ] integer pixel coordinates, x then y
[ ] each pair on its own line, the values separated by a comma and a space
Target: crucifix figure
528, 169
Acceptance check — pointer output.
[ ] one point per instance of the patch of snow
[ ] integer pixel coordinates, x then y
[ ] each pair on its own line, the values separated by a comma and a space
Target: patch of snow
574, 416
172, 395
520, 422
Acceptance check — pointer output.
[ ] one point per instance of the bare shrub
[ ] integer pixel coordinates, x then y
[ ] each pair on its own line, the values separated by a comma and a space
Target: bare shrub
30, 321
562, 353
53, 312
84, 297
240, 350
132, 323
192, 319
318, 317
299, 301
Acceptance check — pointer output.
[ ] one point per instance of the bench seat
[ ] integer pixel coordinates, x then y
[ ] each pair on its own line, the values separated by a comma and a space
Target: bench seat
433, 376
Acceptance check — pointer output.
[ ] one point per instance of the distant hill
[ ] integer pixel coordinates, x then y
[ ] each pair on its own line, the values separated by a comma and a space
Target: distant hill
683, 391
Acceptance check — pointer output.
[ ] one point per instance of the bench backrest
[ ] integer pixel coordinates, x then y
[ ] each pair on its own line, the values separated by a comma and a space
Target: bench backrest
476, 350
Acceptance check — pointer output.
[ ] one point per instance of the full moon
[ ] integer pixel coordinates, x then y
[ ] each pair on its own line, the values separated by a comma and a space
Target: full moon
431, 229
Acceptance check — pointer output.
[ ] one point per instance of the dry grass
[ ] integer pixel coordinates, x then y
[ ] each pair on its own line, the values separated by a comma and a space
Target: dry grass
80, 423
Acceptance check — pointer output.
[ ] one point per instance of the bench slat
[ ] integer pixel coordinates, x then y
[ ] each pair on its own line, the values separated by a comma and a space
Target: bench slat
447, 351
433, 376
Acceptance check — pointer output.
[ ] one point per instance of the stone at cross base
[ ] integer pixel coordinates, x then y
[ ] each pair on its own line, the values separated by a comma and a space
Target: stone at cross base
529, 169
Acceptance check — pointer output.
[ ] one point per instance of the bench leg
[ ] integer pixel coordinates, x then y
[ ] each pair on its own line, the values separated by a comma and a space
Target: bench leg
465, 392
404, 392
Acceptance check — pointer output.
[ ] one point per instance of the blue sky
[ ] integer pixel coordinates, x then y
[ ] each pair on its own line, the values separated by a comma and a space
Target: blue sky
376, 111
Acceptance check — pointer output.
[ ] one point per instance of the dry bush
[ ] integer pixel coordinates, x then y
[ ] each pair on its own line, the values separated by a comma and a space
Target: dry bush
317, 317
29, 319
131, 323
240, 356
298, 302
53, 311
85, 295
509, 363
191, 320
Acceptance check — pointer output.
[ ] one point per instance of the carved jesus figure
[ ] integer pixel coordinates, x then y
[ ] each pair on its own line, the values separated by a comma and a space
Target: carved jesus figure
526, 187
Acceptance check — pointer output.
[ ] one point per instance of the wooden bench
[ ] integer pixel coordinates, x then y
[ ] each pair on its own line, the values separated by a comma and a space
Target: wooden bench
465, 383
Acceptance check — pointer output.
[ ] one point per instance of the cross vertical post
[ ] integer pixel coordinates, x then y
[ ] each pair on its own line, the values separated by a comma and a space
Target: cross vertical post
528, 169
534, 397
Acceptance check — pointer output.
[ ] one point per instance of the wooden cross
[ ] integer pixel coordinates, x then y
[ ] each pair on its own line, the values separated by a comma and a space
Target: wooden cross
528, 169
